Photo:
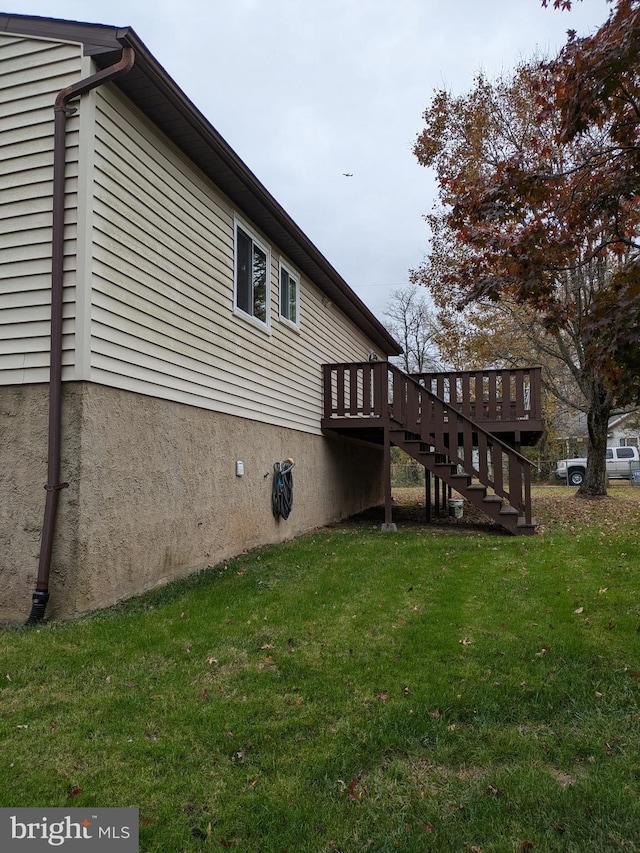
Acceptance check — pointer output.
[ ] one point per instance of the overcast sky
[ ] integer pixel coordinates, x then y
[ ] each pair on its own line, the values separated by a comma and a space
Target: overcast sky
305, 90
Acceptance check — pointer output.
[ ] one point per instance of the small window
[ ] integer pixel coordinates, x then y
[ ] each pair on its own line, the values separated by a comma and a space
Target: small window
625, 453
289, 295
609, 453
252, 276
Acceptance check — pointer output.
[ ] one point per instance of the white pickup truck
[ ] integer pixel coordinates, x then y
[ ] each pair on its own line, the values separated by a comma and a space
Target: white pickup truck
619, 466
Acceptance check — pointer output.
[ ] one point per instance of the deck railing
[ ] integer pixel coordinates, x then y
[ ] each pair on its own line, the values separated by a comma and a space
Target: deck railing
381, 391
355, 390
489, 395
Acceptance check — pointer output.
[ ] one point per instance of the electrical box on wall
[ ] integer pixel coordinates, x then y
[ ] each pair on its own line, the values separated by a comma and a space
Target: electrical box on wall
239, 469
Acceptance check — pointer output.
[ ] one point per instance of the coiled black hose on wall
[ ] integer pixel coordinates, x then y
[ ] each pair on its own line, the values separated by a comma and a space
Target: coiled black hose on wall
282, 491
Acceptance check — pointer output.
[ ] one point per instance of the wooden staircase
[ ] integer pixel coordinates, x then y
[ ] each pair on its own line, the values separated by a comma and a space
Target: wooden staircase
468, 486
474, 462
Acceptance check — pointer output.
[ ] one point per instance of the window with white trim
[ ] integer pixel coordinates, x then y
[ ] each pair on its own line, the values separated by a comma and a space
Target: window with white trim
628, 442
289, 295
252, 268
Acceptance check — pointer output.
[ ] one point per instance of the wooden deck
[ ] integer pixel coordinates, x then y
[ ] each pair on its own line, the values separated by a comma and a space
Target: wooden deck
468, 435
507, 403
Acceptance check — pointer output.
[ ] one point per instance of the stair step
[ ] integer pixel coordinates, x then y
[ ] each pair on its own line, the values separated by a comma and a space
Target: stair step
420, 446
491, 499
509, 510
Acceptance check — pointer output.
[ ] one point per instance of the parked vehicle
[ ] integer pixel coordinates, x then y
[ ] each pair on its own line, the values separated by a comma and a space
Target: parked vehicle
619, 461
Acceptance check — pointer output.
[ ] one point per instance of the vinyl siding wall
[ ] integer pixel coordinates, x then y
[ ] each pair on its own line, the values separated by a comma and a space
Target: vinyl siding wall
162, 316
32, 71
150, 241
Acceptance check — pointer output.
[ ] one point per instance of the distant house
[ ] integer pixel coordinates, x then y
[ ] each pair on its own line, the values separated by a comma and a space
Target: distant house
195, 320
624, 430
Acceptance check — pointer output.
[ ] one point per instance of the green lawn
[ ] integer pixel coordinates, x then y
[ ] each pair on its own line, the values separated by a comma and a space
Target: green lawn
438, 689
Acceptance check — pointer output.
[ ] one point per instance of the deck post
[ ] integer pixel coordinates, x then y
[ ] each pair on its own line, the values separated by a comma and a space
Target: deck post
427, 495
388, 526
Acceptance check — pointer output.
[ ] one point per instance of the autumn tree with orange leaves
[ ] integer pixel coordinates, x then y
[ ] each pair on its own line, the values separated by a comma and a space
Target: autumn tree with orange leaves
541, 215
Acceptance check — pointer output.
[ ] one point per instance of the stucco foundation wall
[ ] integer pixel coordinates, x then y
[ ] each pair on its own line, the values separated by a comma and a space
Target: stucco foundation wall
153, 492
23, 475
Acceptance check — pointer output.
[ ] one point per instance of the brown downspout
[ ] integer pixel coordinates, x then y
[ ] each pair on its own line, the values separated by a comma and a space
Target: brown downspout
62, 110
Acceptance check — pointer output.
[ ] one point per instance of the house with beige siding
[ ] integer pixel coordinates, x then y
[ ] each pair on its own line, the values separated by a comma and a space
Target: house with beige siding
169, 337
163, 329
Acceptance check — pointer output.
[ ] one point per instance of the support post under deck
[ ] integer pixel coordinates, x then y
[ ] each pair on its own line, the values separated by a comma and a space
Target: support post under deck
388, 526
427, 495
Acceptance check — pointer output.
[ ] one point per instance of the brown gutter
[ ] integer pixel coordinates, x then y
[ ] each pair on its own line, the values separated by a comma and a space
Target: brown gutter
62, 110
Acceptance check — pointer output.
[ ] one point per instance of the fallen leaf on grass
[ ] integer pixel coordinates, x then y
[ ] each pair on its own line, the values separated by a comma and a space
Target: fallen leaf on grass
265, 646
382, 696
426, 827
74, 792
579, 610
526, 846
354, 795
465, 641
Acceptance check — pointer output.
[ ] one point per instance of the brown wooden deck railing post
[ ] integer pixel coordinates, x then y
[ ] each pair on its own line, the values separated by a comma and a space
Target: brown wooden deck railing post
327, 372
380, 390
